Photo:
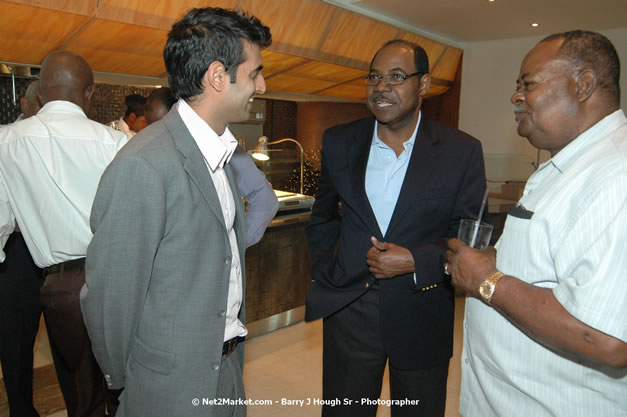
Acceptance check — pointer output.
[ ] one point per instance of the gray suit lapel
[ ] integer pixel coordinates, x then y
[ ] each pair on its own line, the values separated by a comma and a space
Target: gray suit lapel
194, 162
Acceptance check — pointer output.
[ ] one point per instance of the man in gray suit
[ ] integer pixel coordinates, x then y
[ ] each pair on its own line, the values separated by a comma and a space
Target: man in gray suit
164, 300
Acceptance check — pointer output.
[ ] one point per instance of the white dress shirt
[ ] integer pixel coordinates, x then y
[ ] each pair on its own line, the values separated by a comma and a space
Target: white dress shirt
50, 166
574, 244
217, 151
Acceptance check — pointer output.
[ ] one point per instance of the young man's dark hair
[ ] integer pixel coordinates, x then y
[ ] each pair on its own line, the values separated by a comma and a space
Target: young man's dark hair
204, 36
135, 104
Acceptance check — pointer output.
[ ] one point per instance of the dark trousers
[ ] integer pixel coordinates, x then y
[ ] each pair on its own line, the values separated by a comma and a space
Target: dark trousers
20, 310
354, 360
231, 386
80, 378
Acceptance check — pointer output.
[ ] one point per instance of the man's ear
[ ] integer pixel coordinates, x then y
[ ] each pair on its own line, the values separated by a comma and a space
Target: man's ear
216, 76
425, 84
87, 96
24, 105
586, 82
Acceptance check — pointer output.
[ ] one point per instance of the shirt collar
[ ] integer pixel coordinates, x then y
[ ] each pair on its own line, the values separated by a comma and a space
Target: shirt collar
216, 149
61, 106
376, 141
569, 154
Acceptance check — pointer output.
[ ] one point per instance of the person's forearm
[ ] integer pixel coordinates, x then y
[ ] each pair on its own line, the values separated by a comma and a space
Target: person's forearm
537, 312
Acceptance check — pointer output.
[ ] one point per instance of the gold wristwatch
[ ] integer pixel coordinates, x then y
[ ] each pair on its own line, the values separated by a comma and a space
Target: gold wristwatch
486, 289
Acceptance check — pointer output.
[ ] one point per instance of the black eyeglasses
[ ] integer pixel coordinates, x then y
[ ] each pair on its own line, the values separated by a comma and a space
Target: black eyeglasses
395, 78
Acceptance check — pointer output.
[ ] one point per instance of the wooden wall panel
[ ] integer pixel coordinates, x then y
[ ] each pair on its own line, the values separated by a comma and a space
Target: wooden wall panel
314, 118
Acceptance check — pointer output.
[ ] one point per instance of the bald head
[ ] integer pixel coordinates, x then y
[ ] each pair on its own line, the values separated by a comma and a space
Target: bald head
66, 76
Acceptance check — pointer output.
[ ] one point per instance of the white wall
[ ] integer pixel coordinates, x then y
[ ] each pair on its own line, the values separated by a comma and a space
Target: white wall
490, 69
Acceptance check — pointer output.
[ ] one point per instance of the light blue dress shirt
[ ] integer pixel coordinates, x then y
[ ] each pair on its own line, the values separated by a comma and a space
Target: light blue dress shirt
385, 174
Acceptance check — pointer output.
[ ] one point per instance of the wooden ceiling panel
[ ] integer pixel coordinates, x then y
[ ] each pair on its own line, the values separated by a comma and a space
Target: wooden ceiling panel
327, 72
433, 49
83, 7
296, 26
274, 62
436, 90
355, 90
121, 48
157, 14
317, 48
44, 31
297, 84
447, 67
356, 37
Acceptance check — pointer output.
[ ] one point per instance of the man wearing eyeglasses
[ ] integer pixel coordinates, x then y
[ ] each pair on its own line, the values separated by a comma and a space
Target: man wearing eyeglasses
403, 183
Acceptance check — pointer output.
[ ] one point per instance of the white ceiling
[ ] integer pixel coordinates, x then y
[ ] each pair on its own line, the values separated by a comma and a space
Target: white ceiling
458, 21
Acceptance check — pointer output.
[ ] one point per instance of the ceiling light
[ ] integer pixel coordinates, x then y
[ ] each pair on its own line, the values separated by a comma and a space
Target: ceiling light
535, 25
491, 1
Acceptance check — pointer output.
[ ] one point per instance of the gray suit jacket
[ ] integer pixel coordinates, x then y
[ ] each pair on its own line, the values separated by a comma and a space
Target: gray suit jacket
158, 273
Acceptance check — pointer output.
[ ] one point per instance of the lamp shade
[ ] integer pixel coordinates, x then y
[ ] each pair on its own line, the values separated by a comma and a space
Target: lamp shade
261, 150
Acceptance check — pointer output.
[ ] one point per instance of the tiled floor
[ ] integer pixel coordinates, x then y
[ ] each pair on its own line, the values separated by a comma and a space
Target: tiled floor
282, 365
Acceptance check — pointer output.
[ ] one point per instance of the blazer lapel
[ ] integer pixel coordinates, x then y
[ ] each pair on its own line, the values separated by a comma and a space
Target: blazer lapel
422, 162
357, 153
194, 163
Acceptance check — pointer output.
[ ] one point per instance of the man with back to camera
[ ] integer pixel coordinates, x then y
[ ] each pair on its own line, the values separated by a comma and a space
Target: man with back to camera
20, 308
50, 165
404, 182
252, 184
164, 301
133, 120
545, 328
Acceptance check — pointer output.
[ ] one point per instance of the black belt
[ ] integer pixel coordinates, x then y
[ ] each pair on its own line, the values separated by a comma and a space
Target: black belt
229, 346
65, 266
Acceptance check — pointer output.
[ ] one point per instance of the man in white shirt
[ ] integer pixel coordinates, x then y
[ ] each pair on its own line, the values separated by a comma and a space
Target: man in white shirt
164, 301
50, 165
20, 308
545, 330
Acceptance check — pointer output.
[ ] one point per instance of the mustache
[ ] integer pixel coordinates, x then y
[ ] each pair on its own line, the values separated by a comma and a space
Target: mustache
519, 109
379, 96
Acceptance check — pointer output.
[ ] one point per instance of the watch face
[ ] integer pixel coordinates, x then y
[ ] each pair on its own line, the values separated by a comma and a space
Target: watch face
486, 290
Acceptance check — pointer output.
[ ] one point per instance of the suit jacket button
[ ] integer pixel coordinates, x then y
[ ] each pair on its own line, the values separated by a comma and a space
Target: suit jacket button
367, 285
227, 260
216, 366
221, 313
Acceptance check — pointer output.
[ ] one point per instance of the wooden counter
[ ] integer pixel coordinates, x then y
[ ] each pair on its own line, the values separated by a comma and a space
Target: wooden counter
278, 273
